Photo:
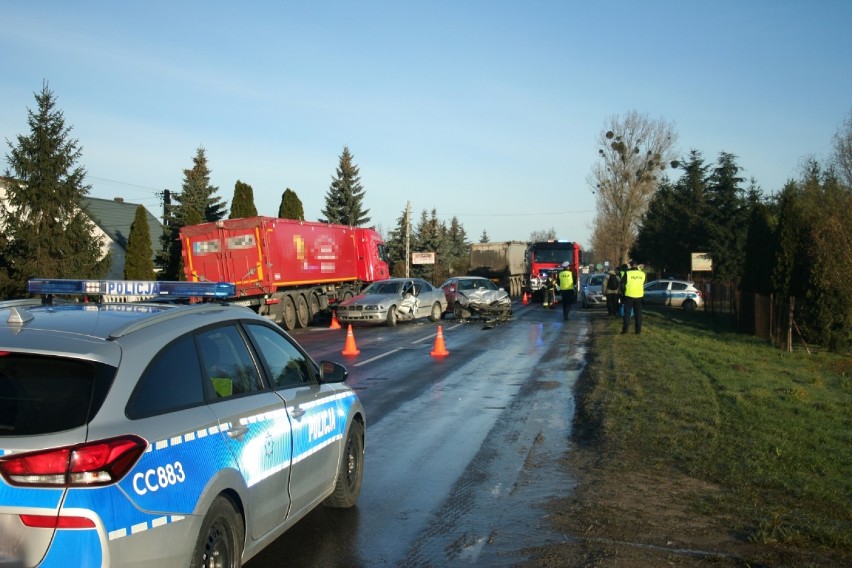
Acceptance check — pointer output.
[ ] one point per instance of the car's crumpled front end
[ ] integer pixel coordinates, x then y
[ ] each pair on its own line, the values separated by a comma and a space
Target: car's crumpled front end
492, 306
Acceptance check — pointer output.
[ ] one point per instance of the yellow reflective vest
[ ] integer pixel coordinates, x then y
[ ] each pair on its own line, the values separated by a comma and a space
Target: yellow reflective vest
566, 280
634, 286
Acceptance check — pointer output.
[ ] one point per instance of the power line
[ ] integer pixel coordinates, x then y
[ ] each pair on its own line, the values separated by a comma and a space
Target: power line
129, 185
537, 214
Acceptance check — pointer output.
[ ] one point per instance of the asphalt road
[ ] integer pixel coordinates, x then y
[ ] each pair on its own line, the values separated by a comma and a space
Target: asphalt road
462, 450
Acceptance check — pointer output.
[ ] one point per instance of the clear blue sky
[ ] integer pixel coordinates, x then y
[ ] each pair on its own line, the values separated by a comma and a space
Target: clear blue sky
487, 111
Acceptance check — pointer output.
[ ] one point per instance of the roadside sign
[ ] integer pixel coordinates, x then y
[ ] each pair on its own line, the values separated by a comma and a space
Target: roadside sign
423, 258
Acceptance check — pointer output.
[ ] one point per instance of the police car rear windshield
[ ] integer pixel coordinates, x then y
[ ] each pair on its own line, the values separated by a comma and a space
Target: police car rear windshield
42, 394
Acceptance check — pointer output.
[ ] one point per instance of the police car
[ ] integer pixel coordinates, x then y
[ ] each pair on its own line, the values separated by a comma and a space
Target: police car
162, 434
675, 293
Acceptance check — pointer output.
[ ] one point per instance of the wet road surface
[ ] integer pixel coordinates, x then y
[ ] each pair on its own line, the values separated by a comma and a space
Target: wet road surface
462, 451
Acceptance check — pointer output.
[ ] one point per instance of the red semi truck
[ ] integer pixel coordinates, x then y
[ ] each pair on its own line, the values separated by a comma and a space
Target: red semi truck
284, 269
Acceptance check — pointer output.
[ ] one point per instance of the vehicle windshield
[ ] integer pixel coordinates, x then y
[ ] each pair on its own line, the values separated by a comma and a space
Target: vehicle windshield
476, 284
383, 288
556, 255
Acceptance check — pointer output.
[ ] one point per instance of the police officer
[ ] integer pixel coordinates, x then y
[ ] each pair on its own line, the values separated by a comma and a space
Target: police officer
633, 291
566, 288
549, 290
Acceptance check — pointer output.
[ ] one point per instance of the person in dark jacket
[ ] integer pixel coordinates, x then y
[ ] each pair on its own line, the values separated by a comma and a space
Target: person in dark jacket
612, 289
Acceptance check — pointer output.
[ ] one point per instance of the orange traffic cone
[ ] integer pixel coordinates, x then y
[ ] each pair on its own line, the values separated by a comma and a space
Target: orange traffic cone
334, 323
526, 299
439, 350
349, 348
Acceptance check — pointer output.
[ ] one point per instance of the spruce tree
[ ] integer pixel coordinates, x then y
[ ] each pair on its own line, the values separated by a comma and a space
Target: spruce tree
345, 196
727, 219
395, 245
196, 203
291, 206
483, 237
138, 260
459, 261
46, 232
197, 193
242, 205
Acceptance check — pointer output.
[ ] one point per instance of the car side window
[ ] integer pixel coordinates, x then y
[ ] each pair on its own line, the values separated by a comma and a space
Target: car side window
172, 381
678, 286
287, 366
227, 362
656, 286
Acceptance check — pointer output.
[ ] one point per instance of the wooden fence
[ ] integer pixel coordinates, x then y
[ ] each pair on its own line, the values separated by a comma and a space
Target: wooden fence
756, 314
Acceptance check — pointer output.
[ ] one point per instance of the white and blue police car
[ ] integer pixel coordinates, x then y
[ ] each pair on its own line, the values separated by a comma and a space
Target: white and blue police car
151, 433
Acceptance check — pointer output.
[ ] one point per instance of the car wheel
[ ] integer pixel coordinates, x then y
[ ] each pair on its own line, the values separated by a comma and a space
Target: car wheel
436, 312
457, 312
688, 305
348, 485
391, 317
220, 542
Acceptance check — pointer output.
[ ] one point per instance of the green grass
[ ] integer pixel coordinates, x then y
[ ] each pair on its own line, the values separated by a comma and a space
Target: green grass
773, 429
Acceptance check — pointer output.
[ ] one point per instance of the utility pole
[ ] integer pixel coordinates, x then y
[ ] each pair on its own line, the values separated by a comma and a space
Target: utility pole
167, 203
407, 237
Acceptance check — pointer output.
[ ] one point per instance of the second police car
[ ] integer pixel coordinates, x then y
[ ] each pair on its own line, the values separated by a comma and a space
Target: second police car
160, 434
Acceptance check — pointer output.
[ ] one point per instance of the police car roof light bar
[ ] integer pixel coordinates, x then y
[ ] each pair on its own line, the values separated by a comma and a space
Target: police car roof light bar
131, 288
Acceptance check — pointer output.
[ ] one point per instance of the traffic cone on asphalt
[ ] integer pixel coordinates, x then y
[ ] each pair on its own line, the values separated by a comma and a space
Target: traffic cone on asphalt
334, 323
349, 348
526, 299
439, 350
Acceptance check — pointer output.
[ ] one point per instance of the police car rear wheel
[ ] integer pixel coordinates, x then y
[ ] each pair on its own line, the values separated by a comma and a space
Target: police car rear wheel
348, 485
221, 538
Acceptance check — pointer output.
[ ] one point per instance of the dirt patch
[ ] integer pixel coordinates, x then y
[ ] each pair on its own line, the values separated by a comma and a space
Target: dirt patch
641, 517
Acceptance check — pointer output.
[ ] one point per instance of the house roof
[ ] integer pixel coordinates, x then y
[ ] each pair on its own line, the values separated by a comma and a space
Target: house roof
114, 217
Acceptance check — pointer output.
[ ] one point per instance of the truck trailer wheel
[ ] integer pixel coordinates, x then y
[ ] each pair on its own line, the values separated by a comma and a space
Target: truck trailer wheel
303, 314
288, 316
313, 305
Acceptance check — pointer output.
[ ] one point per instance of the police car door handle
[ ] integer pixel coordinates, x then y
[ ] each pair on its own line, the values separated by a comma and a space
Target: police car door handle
296, 412
238, 431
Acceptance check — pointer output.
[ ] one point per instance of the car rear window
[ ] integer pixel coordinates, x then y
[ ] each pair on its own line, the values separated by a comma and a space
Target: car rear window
42, 395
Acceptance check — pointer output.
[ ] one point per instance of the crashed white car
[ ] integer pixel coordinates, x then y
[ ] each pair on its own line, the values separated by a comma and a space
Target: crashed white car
477, 298
393, 300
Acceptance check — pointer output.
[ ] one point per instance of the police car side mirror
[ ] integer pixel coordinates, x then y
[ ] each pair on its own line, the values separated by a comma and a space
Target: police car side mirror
331, 372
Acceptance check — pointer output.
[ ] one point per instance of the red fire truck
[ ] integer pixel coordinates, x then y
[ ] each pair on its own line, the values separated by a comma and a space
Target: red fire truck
545, 256
284, 269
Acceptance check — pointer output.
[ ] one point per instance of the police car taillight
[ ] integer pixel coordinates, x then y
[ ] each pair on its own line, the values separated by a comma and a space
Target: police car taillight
84, 465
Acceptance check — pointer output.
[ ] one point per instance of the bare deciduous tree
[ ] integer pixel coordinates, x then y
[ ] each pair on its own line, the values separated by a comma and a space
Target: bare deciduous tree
634, 150
548, 235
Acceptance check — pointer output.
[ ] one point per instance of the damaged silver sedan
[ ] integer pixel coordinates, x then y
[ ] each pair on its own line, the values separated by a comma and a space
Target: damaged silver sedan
393, 300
